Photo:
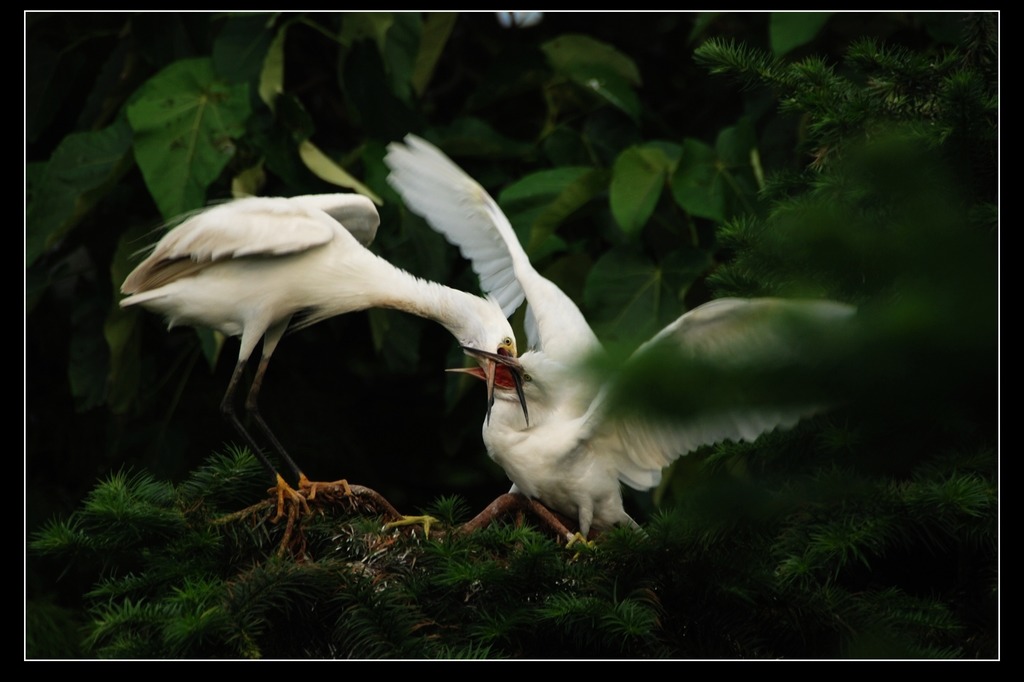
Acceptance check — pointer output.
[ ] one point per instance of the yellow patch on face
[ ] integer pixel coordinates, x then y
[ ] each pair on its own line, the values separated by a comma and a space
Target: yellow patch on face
508, 347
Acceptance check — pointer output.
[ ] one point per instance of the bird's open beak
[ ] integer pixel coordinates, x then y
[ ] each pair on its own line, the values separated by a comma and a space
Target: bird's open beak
489, 373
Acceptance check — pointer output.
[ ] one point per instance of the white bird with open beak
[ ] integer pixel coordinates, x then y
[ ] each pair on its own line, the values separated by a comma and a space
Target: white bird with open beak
257, 266
574, 453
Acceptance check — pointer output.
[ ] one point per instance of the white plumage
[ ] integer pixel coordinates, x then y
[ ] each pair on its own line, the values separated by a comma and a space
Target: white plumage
253, 267
573, 454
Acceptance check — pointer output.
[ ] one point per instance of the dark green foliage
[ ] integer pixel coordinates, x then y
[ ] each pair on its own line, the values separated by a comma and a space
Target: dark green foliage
852, 156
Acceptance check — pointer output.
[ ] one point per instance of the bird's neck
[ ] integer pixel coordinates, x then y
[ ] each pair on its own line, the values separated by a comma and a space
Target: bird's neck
451, 308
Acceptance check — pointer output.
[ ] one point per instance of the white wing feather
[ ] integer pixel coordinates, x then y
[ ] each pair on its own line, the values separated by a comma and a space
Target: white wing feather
724, 331
460, 209
253, 226
355, 212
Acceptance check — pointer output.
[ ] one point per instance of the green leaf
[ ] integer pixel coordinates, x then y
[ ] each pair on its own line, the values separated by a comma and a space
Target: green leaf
630, 297
185, 121
437, 27
789, 30
541, 186
697, 185
326, 169
271, 83
83, 167
571, 53
610, 86
638, 176
537, 204
597, 67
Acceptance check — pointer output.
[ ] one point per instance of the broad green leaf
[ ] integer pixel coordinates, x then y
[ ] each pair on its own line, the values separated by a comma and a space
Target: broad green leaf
185, 121
570, 199
570, 53
537, 204
631, 297
638, 176
597, 67
326, 169
697, 185
539, 187
437, 27
789, 30
83, 167
610, 86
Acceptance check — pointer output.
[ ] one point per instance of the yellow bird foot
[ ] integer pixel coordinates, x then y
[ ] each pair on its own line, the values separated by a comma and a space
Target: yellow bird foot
577, 538
286, 493
425, 521
310, 487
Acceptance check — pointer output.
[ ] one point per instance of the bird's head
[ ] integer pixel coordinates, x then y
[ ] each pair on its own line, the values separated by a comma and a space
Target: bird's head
502, 371
485, 335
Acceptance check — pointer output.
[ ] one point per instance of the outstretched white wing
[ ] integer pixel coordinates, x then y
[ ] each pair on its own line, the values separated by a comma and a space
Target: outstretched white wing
759, 334
460, 209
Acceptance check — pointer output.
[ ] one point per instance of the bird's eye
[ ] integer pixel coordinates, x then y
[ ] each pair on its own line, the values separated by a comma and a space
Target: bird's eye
507, 341
527, 377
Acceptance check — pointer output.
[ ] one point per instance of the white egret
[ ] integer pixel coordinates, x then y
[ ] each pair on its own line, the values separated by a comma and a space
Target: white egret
256, 266
573, 455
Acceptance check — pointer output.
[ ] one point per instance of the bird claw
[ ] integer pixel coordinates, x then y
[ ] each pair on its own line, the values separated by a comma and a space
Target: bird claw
311, 486
425, 521
578, 539
283, 491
